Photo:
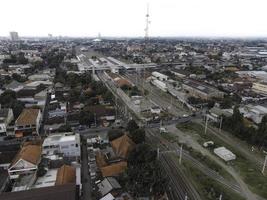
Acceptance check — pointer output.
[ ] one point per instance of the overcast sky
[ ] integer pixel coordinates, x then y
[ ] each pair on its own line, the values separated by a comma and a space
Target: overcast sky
127, 17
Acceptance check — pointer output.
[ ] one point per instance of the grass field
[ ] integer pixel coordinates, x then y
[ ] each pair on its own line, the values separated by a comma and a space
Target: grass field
248, 171
206, 187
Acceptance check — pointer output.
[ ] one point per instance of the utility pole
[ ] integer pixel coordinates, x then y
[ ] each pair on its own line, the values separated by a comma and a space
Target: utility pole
206, 124
158, 153
181, 154
171, 103
95, 119
264, 164
221, 124
117, 107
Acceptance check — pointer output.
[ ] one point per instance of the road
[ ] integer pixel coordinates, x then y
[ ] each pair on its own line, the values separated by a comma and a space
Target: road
86, 179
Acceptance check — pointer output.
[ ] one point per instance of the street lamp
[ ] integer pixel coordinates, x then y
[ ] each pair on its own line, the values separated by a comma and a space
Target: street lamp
265, 162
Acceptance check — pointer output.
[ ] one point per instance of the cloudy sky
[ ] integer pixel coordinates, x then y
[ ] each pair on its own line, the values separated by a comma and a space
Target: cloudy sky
127, 17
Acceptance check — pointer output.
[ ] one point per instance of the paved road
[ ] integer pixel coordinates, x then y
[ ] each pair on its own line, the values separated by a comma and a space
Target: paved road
86, 179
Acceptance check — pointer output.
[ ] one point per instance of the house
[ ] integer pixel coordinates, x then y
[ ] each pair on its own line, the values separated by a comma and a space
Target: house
102, 112
63, 175
109, 196
260, 87
255, 113
114, 169
28, 122
67, 144
155, 110
26, 161
122, 146
60, 192
66, 174
6, 117
14, 86
4, 180
109, 185
216, 113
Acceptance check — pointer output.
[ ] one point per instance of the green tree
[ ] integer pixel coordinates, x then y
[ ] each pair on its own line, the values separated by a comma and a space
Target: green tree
132, 126
114, 134
86, 118
138, 135
261, 137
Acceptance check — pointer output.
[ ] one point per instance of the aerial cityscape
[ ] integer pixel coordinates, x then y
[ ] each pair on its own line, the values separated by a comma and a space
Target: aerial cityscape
132, 117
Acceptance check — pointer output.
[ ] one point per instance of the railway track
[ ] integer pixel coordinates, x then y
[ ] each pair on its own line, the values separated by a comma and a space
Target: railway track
166, 147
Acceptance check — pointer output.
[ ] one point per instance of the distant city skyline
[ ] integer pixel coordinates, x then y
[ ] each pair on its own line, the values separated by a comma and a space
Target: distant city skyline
126, 18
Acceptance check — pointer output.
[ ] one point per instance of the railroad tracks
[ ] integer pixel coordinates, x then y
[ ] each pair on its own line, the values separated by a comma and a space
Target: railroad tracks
172, 167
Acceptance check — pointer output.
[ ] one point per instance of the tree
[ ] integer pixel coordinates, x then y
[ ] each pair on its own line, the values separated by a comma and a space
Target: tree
132, 126
138, 135
7, 97
108, 96
114, 134
86, 118
144, 174
17, 108
73, 80
19, 78
9, 100
64, 128
261, 137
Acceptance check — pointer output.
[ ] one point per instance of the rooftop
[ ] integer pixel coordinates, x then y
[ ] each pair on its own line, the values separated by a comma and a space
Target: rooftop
61, 192
107, 185
122, 146
61, 137
47, 180
65, 175
30, 153
114, 169
28, 116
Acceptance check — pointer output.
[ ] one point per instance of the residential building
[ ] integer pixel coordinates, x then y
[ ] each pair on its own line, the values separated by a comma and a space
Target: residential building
6, 117
255, 113
28, 122
14, 86
122, 146
26, 161
60, 192
65, 175
260, 87
14, 36
109, 185
67, 144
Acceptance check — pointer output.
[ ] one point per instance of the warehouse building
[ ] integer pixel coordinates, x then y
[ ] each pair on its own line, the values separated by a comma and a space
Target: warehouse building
200, 90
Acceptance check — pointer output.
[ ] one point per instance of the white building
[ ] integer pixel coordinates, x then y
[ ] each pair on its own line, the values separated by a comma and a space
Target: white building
159, 84
160, 76
255, 113
14, 36
224, 154
67, 144
260, 87
6, 116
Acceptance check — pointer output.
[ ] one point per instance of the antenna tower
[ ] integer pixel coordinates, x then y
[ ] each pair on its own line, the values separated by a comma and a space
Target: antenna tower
147, 23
